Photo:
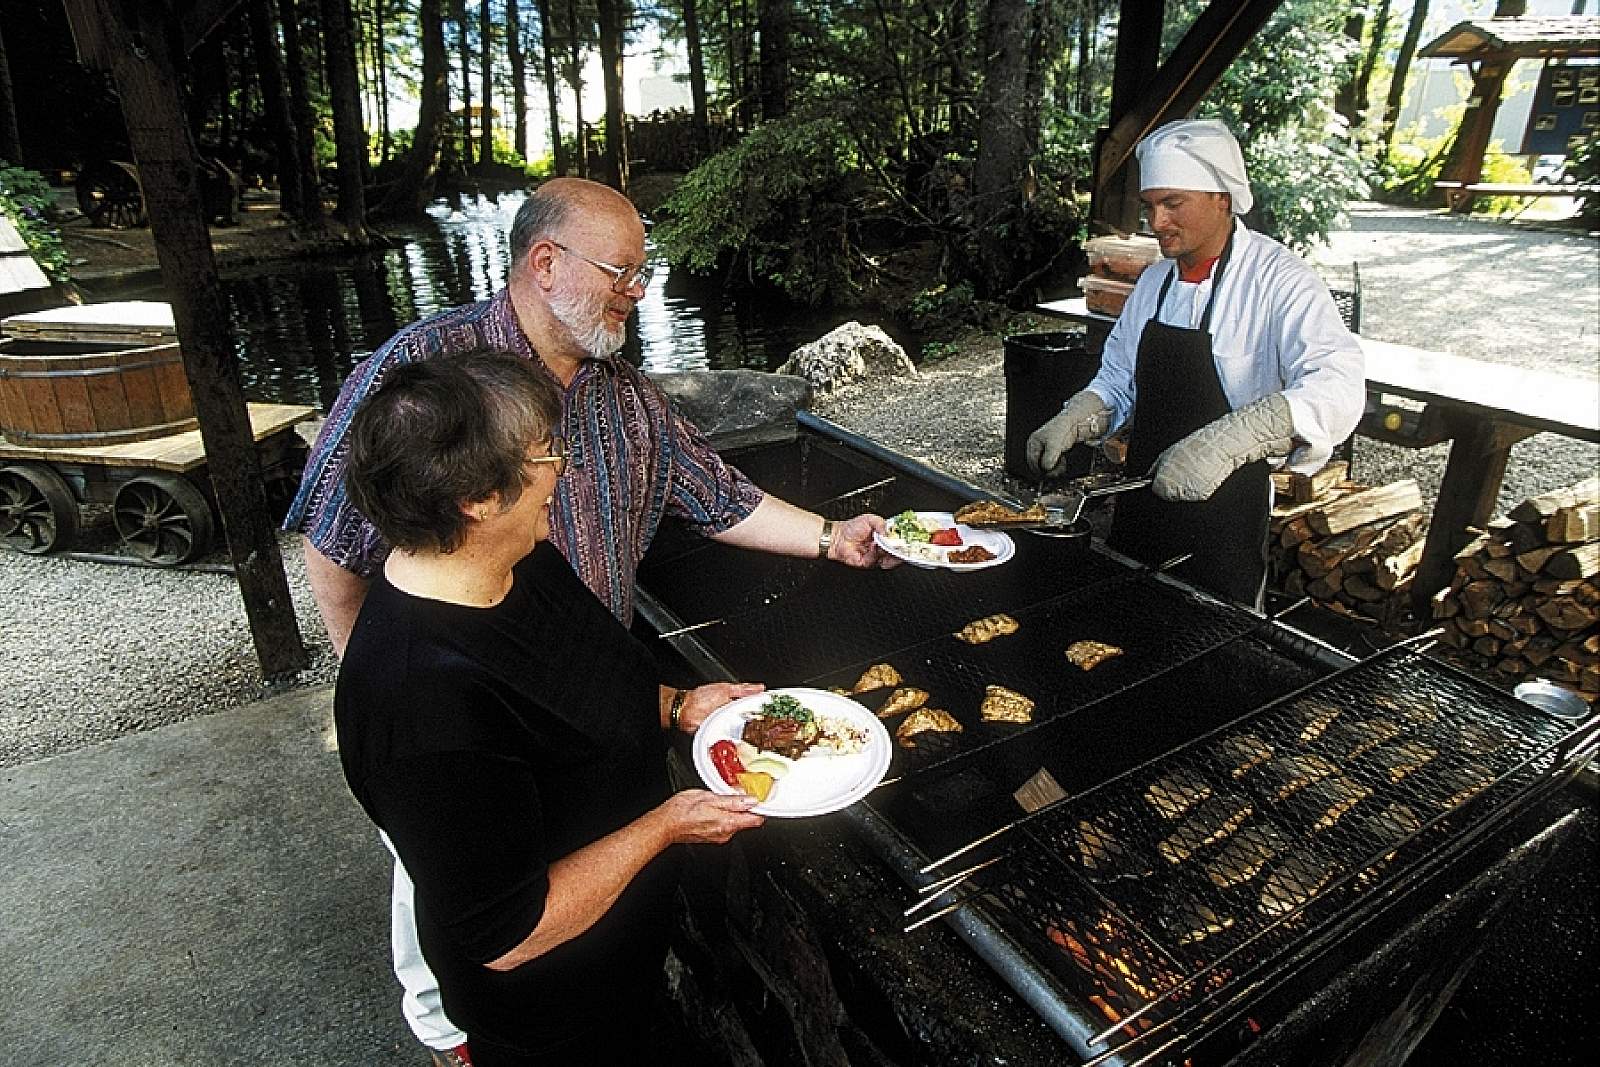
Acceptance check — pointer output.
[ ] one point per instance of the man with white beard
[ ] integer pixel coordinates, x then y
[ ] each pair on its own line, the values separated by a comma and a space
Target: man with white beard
578, 268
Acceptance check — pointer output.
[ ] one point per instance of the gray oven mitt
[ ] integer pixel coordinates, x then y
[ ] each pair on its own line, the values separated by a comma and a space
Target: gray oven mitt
1192, 469
1083, 418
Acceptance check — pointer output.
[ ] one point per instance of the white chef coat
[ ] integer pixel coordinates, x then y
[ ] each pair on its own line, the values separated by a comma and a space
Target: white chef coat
1274, 329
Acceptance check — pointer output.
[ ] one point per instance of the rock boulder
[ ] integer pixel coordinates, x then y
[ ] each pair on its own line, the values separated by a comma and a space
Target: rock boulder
848, 354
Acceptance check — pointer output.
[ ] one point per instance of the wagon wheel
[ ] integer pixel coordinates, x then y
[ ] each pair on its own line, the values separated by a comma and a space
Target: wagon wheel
162, 519
109, 194
38, 513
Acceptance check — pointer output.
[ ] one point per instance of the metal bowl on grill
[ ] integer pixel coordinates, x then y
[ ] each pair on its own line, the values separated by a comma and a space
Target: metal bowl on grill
1547, 696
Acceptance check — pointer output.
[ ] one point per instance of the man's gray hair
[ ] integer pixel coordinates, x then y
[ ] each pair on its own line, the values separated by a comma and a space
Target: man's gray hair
540, 217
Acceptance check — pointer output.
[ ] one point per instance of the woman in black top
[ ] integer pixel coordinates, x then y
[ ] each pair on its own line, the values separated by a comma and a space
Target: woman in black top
506, 731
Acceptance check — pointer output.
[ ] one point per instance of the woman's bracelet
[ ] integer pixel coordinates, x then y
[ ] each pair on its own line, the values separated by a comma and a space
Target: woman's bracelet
679, 696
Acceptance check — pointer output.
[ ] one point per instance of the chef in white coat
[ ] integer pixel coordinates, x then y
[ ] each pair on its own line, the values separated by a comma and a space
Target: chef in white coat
1229, 355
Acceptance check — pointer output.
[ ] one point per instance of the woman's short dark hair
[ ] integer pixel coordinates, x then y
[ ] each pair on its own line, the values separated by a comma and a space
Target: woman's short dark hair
445, 432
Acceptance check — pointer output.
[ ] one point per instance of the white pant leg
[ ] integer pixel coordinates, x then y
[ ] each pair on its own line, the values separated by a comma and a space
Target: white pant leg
420, 1004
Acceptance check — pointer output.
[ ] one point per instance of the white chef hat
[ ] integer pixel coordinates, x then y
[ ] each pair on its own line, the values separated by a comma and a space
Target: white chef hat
1198, 154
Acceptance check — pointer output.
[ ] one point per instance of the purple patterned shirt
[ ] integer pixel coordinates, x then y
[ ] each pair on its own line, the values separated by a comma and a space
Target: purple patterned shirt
634, 460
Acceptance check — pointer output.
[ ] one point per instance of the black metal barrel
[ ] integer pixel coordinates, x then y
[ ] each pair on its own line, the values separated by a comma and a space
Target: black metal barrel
1042, 371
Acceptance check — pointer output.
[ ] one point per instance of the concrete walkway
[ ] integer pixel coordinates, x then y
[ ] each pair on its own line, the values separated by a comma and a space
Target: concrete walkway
204, 893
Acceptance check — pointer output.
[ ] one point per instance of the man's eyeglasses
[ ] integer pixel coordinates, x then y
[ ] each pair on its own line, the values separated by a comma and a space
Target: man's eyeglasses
558, 456
624, 277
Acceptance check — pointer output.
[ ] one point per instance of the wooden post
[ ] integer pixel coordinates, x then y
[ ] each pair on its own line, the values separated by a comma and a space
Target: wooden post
1465, 161
1467, 496
1116, 195
133, 40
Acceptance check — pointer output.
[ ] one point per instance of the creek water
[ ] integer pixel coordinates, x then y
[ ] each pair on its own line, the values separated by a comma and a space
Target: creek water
301, 327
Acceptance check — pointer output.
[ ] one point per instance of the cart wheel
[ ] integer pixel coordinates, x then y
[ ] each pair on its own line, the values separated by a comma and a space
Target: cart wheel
38, 513
162, 518
109, 193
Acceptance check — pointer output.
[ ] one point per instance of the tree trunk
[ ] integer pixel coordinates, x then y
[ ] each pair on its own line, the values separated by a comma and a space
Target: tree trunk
135, 40
486, 87
305, 140
1402, 67
275, 103
519, 88
1380, 32
558, 148
575, 79
773, 17
1344, 98
10, 135
613, 18
414, 189
697, 77
349, 135
999, 175
465, 50
386, 151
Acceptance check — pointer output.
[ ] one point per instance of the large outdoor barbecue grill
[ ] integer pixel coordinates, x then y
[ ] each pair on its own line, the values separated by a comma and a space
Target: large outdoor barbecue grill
1193, 842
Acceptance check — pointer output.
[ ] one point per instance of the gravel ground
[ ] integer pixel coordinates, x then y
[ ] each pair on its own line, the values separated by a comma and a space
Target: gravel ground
93, 651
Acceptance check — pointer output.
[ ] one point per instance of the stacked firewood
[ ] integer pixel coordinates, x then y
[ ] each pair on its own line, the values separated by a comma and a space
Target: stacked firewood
1526, 593
1351, 548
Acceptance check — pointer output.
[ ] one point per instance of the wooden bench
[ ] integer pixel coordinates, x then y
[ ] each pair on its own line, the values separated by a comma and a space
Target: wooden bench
1460, 195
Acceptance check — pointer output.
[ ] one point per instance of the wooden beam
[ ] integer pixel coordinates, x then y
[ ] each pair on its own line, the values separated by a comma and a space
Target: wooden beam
200, 19
1214, 41
142, 66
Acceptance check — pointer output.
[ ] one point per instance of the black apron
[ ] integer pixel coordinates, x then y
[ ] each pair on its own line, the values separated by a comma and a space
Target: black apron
1177, 391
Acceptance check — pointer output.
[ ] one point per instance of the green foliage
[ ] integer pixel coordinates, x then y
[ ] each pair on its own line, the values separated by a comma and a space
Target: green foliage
1583, 164
25, 200
1278, 98
774, 206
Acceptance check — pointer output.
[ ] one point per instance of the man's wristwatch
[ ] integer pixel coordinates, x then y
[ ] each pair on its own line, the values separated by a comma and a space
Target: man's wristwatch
678, 699
825, 542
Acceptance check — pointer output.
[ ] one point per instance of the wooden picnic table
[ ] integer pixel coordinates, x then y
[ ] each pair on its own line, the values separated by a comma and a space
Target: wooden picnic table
1481, 408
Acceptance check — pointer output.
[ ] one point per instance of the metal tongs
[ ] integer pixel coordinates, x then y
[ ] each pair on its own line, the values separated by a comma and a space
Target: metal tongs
1066, 508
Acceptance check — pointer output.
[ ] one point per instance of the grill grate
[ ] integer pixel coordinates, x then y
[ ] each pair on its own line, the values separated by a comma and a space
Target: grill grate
1217, 861
1131, 613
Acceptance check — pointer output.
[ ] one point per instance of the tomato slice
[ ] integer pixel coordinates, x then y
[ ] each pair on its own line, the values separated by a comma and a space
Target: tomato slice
949, 537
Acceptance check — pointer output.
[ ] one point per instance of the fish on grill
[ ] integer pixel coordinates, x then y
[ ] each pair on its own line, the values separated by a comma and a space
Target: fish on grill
1350, 739
1087, 655
925, 720
1005, 705
1241, 752
1311, 717
1403, 758
1388, 826
905, 698
877, 676
1211, 822
988, 628
1177, 793
994, 513
1331, 799
1103, 854
1190, 921
1479, 739
1292, 883
1464, 781
1290, 774
1419, 709
1243, 856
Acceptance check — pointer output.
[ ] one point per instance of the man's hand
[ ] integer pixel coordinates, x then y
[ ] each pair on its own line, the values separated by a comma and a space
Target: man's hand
1084, 418
1192, 469
703, 700
853, 544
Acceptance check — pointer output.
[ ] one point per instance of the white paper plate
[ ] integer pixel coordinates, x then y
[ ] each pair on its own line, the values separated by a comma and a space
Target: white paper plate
999, 543
817, 783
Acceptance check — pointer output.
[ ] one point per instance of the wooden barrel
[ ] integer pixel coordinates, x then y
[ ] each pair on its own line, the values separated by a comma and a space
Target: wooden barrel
75, 394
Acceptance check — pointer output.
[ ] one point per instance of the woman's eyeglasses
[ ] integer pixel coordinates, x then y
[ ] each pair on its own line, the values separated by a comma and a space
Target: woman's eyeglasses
624, 277
558, 456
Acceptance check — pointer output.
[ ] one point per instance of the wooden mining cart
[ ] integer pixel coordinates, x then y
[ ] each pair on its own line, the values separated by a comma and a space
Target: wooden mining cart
94, 409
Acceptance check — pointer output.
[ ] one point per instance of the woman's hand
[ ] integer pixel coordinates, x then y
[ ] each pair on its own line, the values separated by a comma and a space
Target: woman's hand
702, 701
701, 817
